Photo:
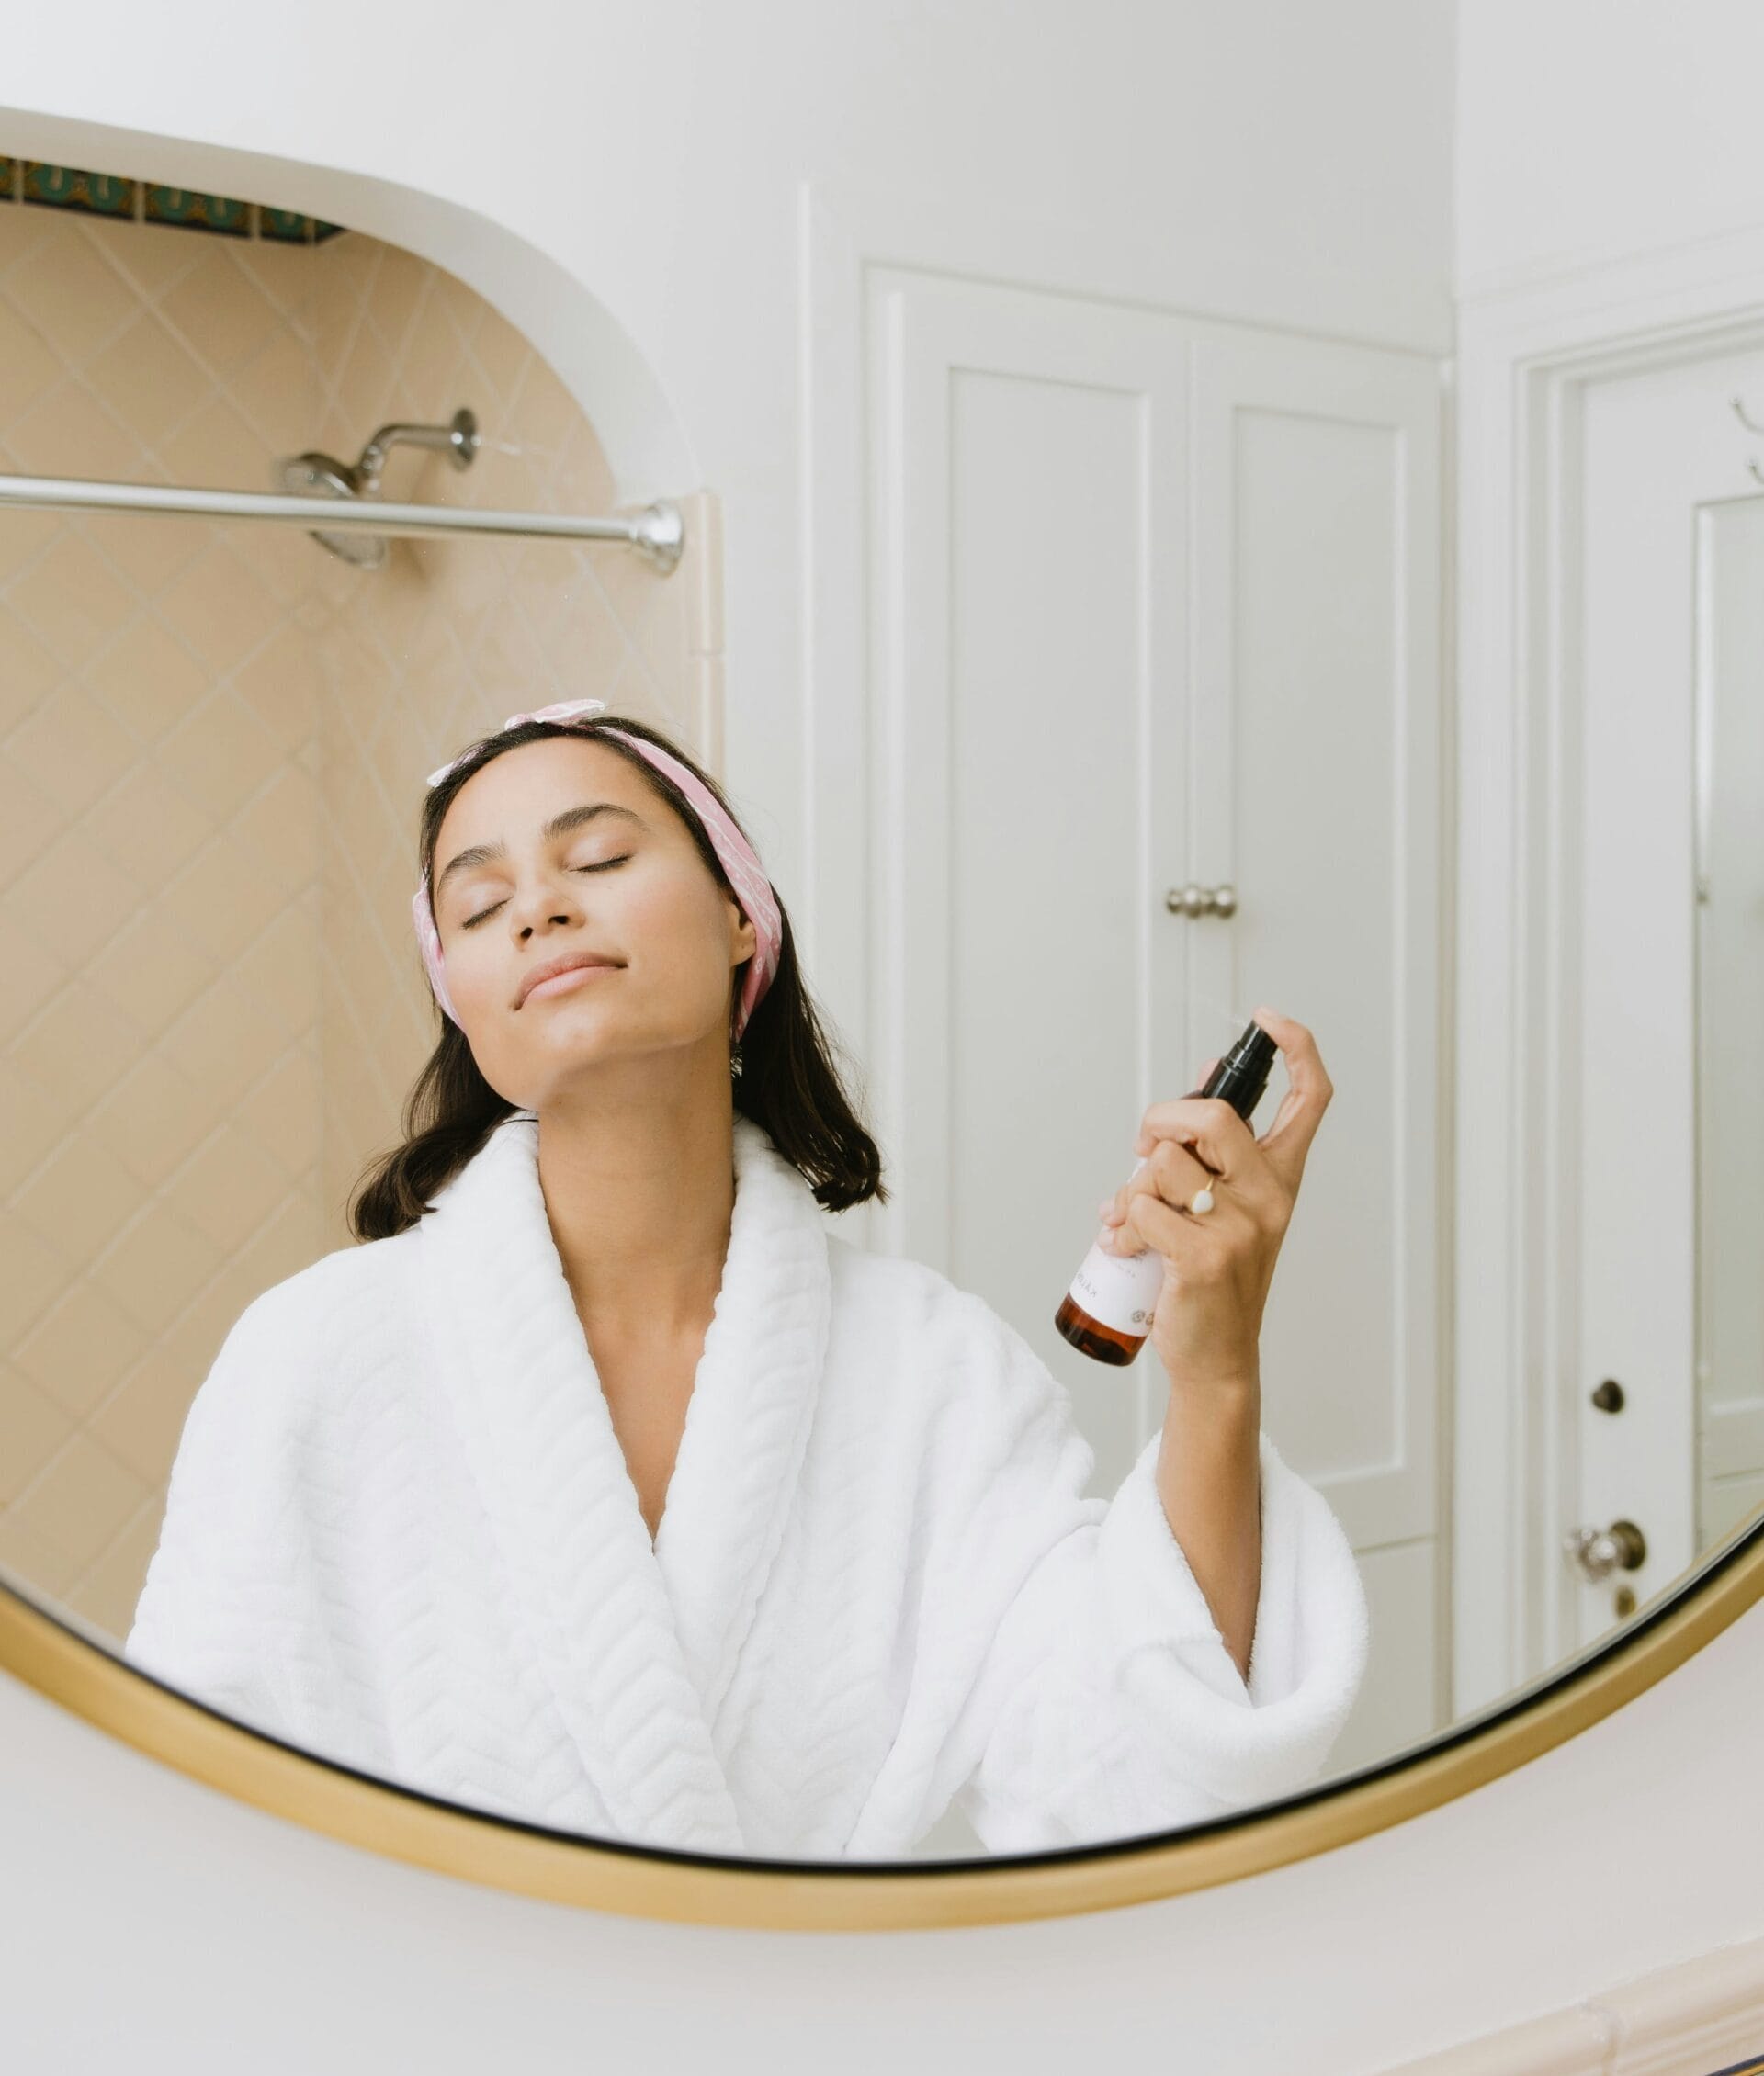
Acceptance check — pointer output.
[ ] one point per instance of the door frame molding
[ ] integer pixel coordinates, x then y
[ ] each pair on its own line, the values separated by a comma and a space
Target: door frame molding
1525, 355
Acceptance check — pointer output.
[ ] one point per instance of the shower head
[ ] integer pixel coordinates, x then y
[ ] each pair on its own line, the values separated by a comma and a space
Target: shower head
322, 475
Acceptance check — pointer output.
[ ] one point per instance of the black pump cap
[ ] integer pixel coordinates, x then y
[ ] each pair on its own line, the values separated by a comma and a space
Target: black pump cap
1241, 1077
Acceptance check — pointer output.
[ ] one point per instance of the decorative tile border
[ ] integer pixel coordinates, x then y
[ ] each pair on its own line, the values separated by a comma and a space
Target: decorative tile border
105, 194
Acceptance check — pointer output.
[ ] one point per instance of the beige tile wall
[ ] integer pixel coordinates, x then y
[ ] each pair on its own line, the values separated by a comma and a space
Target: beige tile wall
213, 746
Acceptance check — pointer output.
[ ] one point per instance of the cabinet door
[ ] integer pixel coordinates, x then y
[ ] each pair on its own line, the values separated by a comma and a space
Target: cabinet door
1156, 601
1316, 791
1029, 717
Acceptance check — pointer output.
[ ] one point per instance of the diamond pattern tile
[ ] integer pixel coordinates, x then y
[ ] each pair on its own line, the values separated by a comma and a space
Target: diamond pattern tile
212, 740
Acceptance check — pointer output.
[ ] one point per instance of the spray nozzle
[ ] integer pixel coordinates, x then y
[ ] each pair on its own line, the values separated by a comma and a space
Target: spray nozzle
1241, 1077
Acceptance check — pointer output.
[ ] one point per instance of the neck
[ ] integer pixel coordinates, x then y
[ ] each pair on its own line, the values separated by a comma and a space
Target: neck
640, 1197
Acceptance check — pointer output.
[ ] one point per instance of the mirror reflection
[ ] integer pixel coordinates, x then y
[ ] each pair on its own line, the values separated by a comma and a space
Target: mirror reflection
912, 1326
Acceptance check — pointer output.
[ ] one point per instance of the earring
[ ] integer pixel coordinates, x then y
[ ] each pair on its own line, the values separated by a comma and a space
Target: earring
735, 1058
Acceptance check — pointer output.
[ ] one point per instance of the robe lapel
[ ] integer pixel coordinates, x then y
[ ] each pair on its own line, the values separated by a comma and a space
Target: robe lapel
637, 1641
747, 1421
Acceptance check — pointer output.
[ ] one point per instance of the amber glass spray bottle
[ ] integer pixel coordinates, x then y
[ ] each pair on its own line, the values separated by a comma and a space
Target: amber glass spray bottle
1107, 1312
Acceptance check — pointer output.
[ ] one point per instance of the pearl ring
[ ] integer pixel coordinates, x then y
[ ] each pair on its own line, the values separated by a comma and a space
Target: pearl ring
1202, 1200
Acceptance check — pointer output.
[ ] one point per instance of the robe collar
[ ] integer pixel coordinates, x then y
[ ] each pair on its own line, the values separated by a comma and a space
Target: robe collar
637, 1640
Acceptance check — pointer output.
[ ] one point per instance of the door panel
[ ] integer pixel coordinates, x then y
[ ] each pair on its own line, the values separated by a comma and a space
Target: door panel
1667, 630
1316, 790
1156, 601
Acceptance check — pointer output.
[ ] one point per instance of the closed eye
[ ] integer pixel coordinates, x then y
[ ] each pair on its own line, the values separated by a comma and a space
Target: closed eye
605, 864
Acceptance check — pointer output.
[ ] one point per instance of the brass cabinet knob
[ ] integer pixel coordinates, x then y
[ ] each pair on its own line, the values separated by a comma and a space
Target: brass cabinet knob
1192, 900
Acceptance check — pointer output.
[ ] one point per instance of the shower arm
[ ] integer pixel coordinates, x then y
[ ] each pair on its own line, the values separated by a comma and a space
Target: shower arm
658, 532
458, 440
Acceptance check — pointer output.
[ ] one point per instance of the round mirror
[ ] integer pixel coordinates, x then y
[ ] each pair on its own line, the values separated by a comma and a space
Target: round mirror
1044, 1284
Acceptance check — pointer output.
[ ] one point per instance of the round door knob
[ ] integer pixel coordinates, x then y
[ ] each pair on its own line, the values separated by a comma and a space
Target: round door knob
1597, 1552
1193, 900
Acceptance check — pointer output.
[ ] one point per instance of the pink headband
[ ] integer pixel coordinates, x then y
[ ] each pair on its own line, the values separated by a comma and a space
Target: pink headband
747, 876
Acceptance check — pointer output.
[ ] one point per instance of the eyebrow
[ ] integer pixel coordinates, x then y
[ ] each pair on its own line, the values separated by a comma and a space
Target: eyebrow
559, 825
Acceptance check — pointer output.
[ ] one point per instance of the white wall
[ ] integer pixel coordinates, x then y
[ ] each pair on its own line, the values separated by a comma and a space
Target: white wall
147, 1923
1280, 163
1587, 129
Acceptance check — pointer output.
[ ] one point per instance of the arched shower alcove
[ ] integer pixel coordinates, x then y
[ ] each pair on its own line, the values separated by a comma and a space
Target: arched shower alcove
213, 737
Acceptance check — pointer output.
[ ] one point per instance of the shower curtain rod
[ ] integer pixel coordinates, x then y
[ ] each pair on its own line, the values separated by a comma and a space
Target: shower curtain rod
658, 532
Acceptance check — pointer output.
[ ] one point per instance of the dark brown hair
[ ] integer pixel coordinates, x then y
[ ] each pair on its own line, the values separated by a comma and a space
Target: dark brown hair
788, 1082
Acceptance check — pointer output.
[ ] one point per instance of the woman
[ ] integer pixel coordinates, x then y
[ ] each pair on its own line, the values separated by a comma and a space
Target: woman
605, 1486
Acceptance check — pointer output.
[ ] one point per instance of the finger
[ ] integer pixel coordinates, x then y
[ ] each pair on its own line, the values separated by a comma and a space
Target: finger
1169, 1170
1287, 1141
1144, 1143
1224, 1235
1207, 1124
1173, 1179
1194, 1245
1174, 1173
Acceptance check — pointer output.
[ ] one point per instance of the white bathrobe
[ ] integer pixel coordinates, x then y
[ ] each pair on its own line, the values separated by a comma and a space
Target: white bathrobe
401, 1533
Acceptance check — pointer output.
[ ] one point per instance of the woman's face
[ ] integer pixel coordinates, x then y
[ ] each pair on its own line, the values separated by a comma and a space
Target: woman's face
624, 883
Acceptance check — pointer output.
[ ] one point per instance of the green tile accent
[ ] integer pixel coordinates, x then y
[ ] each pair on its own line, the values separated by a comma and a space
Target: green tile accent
104, 194
73, 187
285, 225
201, 212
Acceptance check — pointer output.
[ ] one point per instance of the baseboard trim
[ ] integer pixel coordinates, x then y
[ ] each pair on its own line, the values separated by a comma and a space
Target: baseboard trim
1700, 2017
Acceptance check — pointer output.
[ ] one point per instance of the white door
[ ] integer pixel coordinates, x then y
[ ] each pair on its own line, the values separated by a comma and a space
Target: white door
1155, 600
1730, 1011
1670, 771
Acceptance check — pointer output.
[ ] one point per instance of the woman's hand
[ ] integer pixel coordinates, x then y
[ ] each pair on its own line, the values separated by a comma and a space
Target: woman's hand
1219, 1264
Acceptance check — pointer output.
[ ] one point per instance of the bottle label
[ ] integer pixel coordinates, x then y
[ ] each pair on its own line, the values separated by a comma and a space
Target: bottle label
1120, 1291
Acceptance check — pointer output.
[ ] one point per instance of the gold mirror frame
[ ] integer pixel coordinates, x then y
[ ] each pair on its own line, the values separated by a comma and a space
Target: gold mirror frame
59, 1662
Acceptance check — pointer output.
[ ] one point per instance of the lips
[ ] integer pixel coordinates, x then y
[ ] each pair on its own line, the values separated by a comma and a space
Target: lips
552, 968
